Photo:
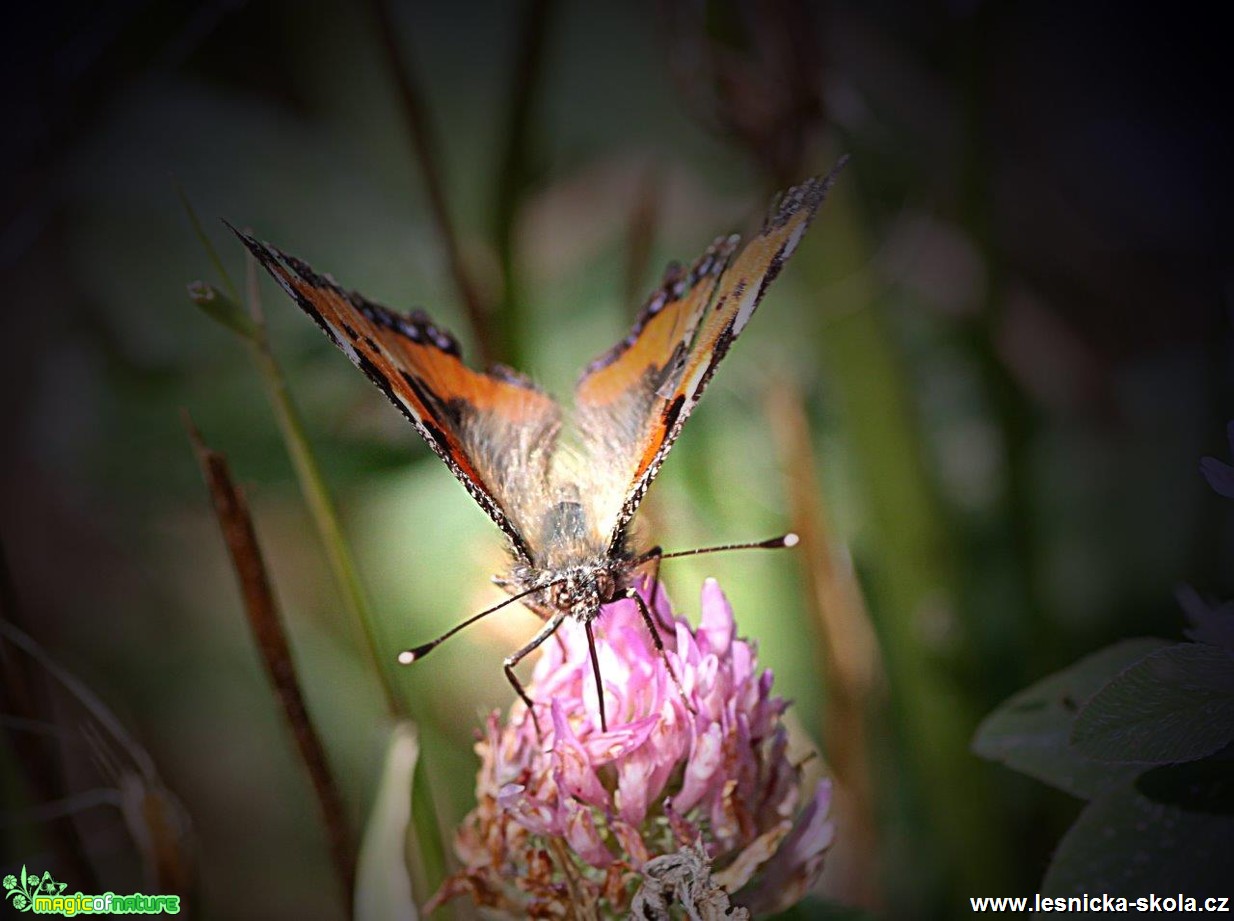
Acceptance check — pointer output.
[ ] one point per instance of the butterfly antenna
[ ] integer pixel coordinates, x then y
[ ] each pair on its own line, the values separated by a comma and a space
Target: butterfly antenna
774, 543
416, 653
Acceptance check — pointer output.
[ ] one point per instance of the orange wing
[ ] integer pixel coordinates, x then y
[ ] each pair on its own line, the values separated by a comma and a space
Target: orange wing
495, 431
631, 403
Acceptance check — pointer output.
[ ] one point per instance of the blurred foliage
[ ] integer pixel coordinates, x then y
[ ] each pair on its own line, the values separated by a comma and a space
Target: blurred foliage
1141, 730
1010, 329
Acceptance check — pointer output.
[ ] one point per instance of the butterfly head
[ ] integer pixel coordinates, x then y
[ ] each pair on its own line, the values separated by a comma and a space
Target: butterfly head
584, 590
579, 591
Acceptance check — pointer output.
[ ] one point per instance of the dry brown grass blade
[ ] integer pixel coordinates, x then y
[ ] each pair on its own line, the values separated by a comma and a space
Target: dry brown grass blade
231, 510
35, 756
847, 649
160, 827
518, 168
424, 140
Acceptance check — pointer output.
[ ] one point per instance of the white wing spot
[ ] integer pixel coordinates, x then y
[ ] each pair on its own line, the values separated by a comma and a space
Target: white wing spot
749, 300
691, 389
344, 343
793, 239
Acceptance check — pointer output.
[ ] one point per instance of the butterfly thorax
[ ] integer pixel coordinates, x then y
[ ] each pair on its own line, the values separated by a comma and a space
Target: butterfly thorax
579, 568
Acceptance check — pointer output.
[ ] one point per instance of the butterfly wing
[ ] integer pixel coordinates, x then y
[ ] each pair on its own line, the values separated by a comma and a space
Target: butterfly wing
618, 409
495, 431
632, 402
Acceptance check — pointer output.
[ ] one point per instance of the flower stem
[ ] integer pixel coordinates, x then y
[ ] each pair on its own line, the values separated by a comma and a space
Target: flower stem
429, 857
430, 853
913, 583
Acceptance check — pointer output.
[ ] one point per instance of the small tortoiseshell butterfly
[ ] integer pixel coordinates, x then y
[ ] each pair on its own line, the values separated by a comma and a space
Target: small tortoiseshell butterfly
566, 510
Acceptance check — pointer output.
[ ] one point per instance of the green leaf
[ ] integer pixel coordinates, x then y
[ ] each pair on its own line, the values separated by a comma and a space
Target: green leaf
1031, 731
1177, 704
219, 307
383, 886
1128, 845
1197, 786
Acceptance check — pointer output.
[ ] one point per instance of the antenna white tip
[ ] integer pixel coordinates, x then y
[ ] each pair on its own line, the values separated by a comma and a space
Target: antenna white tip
791, 539
406, 657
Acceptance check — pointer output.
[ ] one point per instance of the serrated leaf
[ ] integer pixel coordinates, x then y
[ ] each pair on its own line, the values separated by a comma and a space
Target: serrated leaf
1031, 731
1176, 704
1128, 845
383, 886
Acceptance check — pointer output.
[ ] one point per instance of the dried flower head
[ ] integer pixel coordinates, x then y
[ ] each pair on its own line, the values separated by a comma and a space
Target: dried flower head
566, 822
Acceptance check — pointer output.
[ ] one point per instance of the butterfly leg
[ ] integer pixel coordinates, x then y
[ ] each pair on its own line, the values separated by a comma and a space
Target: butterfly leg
516, 657
650, 621
655, 554
595, 667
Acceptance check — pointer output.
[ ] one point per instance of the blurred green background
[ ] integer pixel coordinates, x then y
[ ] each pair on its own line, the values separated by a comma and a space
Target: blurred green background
988, 374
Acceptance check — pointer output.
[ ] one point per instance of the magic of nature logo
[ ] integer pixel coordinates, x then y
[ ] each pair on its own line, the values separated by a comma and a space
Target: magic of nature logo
44, 895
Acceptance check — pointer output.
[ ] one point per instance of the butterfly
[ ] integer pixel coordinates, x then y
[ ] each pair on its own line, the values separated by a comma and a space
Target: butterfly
564, 487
